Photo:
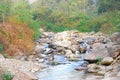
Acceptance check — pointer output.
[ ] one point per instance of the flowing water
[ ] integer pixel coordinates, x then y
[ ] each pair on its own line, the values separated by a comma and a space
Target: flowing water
62, 71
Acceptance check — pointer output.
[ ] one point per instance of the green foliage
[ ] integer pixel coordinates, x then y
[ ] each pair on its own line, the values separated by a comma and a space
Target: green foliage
5, 6
23, 14
61, 15
1, 47
108, 5
35, 25
83, 24
107, 23
52, 27
7, 76
99, 59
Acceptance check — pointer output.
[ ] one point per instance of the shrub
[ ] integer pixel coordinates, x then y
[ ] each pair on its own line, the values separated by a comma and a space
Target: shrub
99, 59
1, 47
15, 39
35, 26
53, 27
106, 23
107, 28
7, 76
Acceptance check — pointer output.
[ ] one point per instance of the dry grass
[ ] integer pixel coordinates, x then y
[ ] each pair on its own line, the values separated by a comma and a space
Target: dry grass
16, 39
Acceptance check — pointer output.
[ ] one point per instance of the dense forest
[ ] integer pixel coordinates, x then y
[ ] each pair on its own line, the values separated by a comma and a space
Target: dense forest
21, 21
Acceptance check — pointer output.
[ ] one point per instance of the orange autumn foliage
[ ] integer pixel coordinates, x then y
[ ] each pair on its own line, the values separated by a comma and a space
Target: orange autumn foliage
16, 39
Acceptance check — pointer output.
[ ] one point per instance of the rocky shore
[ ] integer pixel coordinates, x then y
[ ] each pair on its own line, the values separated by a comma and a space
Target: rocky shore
99, 50
98, 53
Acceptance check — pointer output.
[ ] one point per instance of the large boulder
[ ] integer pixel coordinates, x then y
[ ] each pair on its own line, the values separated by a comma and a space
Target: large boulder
95, 45
96, 54
109, 68
82, 49
74, 48
64, 43
69, 54
107, 61
90, 58
80, 68
23, 75
115, 37
13, 65
97, 69
110, 74
68, 39
39, 49
113, 50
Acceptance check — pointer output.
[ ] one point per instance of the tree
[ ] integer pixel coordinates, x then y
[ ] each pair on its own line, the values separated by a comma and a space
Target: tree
5, 9
108, 5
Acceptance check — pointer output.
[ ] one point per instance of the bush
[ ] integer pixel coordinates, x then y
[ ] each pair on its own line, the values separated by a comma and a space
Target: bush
23, 15
7, 76
99, 59
16, 39
52, 27
106, 23
1, 47
107, 28
35, 26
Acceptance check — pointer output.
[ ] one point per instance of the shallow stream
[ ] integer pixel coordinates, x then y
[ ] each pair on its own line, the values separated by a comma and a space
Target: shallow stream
63, 71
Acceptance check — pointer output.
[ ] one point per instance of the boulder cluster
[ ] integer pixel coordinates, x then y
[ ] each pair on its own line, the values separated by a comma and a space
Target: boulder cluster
100, 53
99, 50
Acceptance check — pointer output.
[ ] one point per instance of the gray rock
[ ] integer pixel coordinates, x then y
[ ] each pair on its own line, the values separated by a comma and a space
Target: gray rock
49, 51
13, 65
110, 74
80, 68
82, 49
39, 49
90, 57
115, 37
95, 45
74, 48
64, 43
94, 55
113, 49
93, 77
118, 74
97, 69
23, 75
107, 61
69, 54
31, 58
109, 68
1, 56
92, 33
112, 78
